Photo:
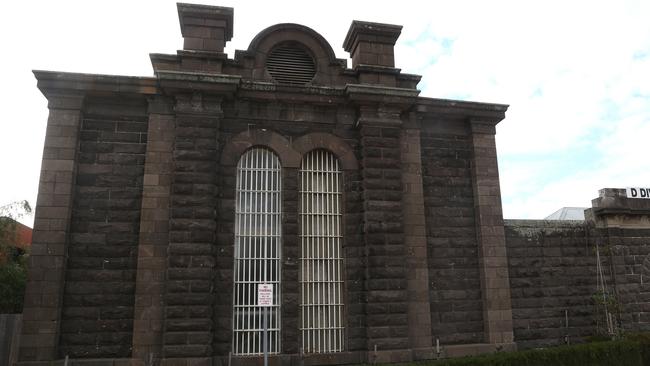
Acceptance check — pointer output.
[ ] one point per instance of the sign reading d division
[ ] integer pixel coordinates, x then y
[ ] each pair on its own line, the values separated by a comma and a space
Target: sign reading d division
638, 192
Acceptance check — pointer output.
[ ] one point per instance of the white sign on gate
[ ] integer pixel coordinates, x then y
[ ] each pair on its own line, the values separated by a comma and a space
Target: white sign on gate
265, 294
638, 192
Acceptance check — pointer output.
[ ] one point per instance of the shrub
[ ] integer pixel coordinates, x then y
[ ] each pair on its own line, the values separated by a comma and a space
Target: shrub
13, 276
613, 353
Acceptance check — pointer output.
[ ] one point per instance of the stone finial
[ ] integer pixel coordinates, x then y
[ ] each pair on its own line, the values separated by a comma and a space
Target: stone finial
204, 27
372, 43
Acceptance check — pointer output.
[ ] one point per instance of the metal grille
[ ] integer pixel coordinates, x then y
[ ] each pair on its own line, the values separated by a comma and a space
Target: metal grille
321, 277
290, 64
257, 250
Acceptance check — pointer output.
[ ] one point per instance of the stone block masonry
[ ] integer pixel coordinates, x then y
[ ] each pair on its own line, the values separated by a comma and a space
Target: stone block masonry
387, 323
98, 298
154, 233
624, 226
552, 267
133, 256
44, 295
415, 240
493, 266
191, 261
454, 277
554, 278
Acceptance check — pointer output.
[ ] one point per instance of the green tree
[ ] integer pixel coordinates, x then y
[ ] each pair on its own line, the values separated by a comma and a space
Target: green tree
13, 266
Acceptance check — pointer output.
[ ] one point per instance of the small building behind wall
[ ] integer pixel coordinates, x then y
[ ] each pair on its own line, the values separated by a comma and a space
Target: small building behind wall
165, 201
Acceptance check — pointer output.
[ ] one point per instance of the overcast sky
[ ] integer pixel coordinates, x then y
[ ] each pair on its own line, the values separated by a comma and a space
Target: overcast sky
576, 75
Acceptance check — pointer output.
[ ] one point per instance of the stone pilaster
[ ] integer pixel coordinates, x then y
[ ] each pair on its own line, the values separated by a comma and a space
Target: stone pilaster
47, 261
379, 122
191, 263
154, 233
493, 261
419, 306
291, 252
387, 323
622, 225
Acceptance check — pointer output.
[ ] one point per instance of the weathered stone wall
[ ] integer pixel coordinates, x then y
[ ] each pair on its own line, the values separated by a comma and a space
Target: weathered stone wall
191, 261
280, 119
627, 256
97, 315
387, 309
456, 305
553, 277
552, 268
624, 227
422, 217
154, 232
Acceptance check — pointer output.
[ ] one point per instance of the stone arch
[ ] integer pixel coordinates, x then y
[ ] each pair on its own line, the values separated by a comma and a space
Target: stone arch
317, 46
243, 141
335, 144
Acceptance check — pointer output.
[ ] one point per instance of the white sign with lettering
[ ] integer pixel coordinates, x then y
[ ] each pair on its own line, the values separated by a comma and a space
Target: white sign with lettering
265, 294
638, 192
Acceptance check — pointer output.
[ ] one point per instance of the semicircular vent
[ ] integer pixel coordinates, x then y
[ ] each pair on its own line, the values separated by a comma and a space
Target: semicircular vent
291, 64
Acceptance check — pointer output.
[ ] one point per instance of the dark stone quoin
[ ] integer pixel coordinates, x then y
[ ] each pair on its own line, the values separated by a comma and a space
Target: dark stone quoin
139, 215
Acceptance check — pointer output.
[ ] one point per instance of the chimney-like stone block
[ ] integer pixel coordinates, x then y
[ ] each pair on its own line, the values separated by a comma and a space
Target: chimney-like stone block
614, 208
372, 43
205, 28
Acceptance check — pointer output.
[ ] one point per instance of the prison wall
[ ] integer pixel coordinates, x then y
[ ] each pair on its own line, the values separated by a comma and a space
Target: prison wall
452, 247
552, 267
98, 297
568, 277
292, 127
133, 252
628, 258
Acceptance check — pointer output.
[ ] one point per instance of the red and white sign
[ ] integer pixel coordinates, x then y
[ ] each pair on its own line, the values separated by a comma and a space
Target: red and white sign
265, 294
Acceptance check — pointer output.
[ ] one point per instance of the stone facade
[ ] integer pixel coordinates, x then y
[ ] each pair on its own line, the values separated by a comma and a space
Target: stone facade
554, 276
133, 253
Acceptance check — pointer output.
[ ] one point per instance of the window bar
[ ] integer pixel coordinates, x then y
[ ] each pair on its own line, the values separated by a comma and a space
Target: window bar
321, 259
242, 240
329, 197
324, 286
278, 203
321, 262
257, 243
237, 266
244, 273
339, 257
253, 261
310, 253
317, 247
314, 254
250, 271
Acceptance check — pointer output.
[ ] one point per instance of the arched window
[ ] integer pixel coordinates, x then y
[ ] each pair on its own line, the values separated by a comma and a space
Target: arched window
321, 272
258, 242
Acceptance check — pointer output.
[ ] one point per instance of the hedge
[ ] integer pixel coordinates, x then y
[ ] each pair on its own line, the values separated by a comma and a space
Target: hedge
633, 351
